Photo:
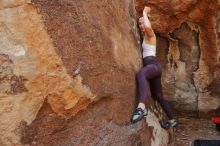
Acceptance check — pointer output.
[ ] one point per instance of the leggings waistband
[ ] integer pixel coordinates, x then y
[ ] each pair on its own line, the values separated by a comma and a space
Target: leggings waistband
150, 57
149, 60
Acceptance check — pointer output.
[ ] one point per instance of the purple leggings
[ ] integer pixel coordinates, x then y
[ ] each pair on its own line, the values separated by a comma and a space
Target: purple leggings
150, 74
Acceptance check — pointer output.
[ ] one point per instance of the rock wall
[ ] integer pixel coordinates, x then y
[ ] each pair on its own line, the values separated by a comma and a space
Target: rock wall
67, 72
68, 68
187, 48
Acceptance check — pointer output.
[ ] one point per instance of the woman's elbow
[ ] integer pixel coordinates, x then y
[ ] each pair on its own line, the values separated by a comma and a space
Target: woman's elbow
149, 32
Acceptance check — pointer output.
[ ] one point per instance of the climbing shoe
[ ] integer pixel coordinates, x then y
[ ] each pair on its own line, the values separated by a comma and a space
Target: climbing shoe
167, 124
138, 114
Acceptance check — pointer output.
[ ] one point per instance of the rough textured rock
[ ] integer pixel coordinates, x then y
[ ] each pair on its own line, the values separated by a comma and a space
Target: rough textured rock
192, 60
67, 69
95, 128
60, 57
32, 72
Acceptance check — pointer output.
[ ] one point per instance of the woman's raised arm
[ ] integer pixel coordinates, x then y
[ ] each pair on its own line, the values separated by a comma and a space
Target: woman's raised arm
149, 33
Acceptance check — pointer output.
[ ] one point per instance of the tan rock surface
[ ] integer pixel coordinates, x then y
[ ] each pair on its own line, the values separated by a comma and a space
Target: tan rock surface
60, 57
31, 71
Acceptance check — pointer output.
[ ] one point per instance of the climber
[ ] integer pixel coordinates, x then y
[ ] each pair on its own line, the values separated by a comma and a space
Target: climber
150, 74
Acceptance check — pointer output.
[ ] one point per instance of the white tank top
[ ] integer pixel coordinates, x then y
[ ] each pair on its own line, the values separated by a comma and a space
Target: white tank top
148, 50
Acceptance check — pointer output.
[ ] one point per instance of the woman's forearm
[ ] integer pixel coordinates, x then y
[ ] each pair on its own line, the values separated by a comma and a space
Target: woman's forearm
146, 20
149, 32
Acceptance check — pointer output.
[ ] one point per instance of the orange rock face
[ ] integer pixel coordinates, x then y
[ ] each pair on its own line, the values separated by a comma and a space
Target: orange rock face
67, 71
166, 16
193, 61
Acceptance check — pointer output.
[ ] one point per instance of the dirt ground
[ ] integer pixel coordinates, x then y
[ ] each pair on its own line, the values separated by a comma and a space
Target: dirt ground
191, 128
